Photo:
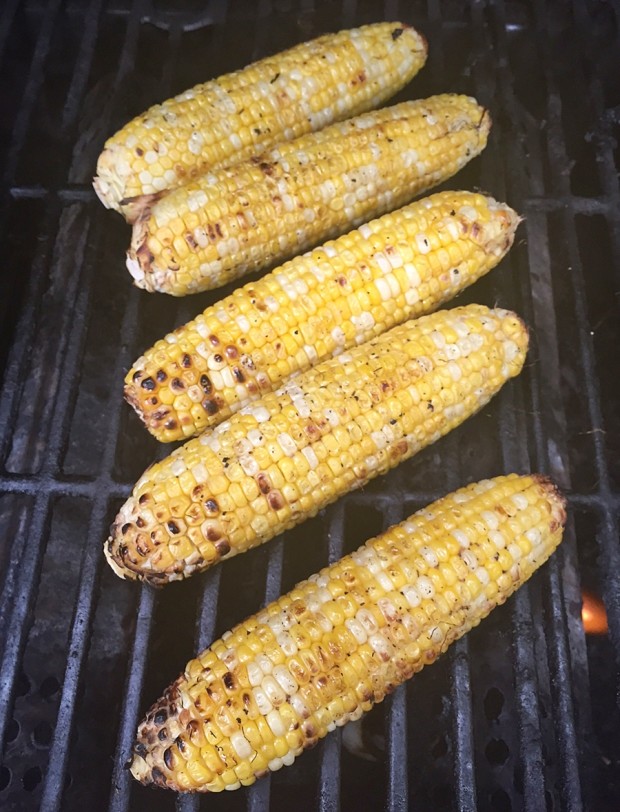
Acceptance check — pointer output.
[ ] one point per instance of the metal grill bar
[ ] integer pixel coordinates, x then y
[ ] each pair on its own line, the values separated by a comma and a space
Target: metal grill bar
121, 778
22, 607
80, 634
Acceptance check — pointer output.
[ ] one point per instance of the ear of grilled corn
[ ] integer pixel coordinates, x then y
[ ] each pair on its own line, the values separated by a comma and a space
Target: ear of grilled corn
230, 118
234, 221
329, 430
340, 641
398, 267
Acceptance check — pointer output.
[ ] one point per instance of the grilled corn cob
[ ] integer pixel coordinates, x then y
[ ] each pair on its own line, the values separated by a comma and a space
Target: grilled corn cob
341, 423
403, 265
230, 118
340, 641
234, 221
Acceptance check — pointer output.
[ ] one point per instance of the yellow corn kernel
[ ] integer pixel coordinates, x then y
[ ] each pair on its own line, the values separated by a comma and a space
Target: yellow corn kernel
353, 388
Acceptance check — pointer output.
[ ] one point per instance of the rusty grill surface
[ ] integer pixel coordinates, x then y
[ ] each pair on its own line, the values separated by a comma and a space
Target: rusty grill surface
521, 714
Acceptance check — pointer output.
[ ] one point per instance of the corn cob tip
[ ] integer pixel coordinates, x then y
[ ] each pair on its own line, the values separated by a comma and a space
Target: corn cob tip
121, 565
108, 547
507, 222
556, 500
159, 725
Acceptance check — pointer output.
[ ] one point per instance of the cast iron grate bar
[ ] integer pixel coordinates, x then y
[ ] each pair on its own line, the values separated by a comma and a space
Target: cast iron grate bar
122, 782
83, 63
18, 623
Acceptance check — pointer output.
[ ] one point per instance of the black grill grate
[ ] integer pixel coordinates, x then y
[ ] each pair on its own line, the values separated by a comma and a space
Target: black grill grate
522, 713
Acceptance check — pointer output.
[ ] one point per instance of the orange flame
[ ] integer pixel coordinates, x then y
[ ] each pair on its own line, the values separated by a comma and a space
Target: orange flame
593, 614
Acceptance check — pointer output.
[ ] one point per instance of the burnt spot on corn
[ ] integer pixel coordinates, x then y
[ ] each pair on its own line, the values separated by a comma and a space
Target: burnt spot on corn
163, 734
238, 374
169, 758
158, 777
263, 482
177, 385
192, 728
210, 406
160, 716
205, 383
144, 256
211, 505
229, 681
173, 527
222, 547
231, 352
275, 500
186, 361
148, 384
160, 375
396, 33
213, 534
142, 545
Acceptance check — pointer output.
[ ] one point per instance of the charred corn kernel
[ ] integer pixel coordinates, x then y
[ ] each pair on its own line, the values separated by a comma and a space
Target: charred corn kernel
238, 115
365, 386
281, 202
415, 627
221, 361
